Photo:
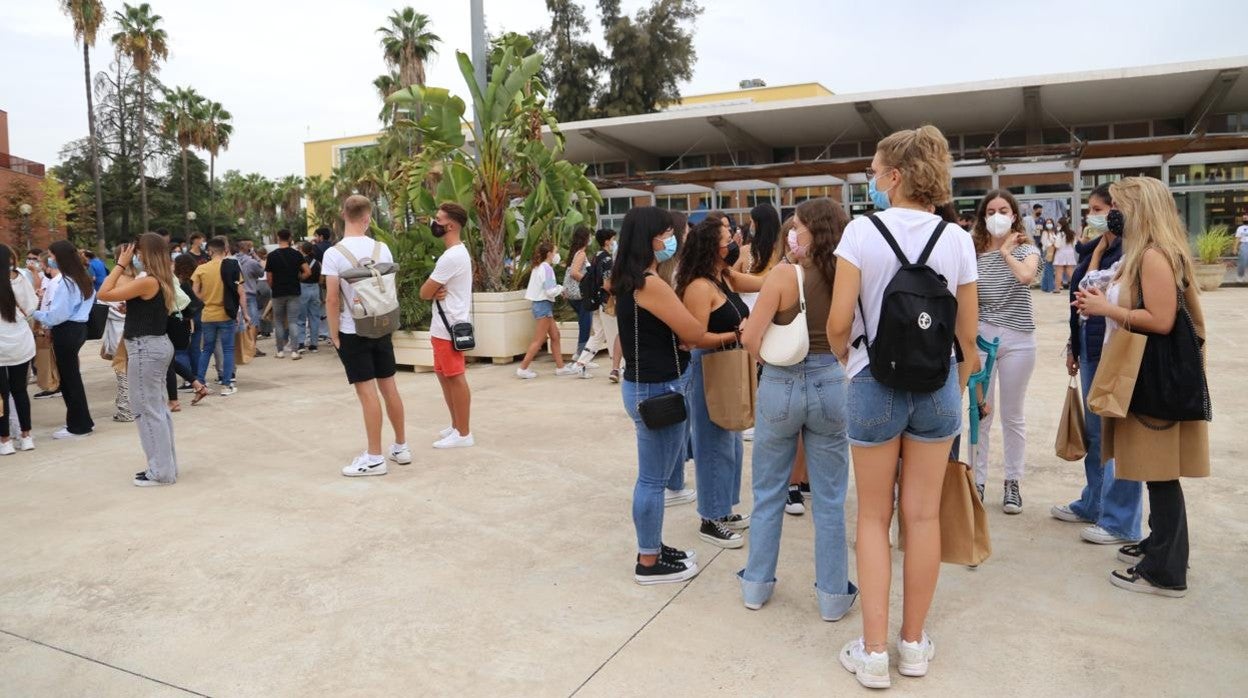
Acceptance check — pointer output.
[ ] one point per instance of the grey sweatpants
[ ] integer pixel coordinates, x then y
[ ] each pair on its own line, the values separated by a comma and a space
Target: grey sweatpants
149, 359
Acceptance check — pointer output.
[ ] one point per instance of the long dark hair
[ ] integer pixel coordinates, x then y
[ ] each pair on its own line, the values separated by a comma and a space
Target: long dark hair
8, 301
70, 263
826, 220
636, 251
580, 240
699, 258
766, 241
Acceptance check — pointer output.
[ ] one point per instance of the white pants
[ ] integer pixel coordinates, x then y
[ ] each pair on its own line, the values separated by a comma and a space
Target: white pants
606, 329
1016, 359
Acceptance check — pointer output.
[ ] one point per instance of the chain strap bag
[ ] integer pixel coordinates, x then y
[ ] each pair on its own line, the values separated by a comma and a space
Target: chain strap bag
664, 410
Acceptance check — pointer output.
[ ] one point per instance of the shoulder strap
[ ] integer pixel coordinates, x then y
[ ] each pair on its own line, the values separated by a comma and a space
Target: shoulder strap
931, 242
342, 249
888, 237
801, 289
376, 251
445, 322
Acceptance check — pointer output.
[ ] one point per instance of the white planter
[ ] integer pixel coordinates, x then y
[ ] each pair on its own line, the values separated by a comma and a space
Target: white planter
413, 349
504, 325
569, 332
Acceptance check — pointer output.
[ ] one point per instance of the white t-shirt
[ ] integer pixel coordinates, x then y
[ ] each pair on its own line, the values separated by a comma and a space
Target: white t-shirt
863, 246
1241, 234
454, 271
334, 264
17, 342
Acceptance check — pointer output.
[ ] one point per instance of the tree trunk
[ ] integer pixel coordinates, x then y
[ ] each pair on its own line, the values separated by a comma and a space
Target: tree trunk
123, 154
186, 197
143, 150
100, 243
212, 193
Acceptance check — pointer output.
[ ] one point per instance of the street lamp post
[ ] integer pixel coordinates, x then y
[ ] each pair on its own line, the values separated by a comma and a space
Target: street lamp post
25, 210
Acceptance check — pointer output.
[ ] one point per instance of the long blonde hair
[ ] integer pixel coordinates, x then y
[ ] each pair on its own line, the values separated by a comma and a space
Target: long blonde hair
1151, 221
158, 265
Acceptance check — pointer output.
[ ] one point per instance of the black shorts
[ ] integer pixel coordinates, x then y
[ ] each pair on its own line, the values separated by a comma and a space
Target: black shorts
366, 358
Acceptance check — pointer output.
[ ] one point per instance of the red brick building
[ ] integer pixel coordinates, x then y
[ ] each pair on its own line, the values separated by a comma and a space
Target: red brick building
14, 173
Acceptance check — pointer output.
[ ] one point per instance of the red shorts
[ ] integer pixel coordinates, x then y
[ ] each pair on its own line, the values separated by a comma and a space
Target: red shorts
446, 361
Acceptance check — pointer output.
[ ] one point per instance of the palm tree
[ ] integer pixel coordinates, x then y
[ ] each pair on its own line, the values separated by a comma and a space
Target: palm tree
144, 43
407, 43
214, 136
181, 114
87, 16
386, 85
289, 193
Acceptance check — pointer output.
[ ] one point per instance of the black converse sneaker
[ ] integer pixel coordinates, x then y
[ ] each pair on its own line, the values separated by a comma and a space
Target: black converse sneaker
680, 556
796, 506
736, 522
805, 488
717, 533
1011, 500
664, 572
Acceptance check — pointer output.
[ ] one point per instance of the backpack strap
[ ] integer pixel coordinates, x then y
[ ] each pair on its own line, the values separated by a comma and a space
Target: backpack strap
931, 242
888, 237
342, 249
376, 251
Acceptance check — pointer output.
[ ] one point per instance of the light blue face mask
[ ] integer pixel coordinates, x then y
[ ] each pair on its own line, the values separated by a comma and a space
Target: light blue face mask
878, 198
669, 249
137, 264
1100, 223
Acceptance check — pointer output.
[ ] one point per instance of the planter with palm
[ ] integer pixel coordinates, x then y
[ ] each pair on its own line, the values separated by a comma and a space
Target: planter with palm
142, 41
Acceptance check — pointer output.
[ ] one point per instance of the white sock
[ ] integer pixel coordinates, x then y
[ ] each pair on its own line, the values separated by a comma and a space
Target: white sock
374, 457
399, 447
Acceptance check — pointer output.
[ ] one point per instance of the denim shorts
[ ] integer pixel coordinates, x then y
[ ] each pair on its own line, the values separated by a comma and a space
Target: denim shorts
543, 309
878, 414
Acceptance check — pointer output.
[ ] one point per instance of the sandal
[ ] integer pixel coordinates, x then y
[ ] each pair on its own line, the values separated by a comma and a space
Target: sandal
175, 406
200, 393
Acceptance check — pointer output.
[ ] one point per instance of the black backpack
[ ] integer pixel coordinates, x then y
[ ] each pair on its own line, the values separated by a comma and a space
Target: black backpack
592, 293
918, 322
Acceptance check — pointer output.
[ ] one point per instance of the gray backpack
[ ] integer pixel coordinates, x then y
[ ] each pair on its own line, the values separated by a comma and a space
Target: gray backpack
376, 305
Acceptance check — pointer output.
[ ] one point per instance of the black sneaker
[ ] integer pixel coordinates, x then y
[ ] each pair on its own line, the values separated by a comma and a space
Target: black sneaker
717, 533
796, 506
313, 350
140, 480
186, 388
45, 394
736, 522
1131, 554
1011, 500
664, 572
687, 557
805, 489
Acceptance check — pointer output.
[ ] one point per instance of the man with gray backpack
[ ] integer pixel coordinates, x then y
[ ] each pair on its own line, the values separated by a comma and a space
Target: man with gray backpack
361, 307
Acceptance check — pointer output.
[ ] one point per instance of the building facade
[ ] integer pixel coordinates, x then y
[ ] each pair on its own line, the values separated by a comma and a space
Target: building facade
20, 182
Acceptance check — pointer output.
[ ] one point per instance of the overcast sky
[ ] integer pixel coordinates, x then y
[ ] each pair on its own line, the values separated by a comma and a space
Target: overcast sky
292, 71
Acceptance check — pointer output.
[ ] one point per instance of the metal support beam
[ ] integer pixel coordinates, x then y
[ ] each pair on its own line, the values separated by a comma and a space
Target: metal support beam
1076, 204
1033, 115
740, 139
1197, 119
643, 159
872, 119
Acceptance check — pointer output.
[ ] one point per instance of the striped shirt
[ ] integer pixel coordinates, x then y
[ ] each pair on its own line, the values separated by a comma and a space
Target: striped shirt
1003, 301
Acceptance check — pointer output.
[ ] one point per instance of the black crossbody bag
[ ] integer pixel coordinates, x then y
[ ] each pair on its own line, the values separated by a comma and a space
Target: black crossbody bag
463, 337
663, 410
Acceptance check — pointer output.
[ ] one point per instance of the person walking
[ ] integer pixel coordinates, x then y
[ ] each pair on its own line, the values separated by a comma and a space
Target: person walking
450, 288
910, 175
1154, 292
1048, 246
542, 292
219, 284
604, 331
578, 250
368, 361
1066, 256
308, 321
67, 317
1007, 263
149, 300
17, 348
283, 271
802, 405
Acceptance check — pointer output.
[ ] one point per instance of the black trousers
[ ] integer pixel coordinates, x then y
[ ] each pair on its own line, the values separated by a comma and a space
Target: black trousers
13, 383
177, 369
67, 341
1165, 549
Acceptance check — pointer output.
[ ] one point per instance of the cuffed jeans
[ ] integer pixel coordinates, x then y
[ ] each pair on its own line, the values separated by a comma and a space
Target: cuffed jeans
807, 399
285, 314
659, 453
717, 452
147, 363
1115, 505
1007, 394
308, 322
214, 331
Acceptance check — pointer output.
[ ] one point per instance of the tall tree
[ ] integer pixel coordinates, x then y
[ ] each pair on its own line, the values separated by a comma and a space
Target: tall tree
387, 85
574, 63
142, 41
650, 55
407, 43
181, 119
87, 16
289, 192
214, 137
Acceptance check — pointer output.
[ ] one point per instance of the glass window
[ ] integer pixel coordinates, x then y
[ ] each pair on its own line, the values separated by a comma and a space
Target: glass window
1055, 136
1199, 210
783, 154
1093, 133
693, 162
1091, 180
1192, 175
974, 141
1219, 123
1040, 183
1136, 129
971, 186
673, 203
1168, 127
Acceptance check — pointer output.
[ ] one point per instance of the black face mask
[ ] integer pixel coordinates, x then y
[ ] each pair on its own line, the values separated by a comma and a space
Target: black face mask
1115, 221
438, 229
734, 253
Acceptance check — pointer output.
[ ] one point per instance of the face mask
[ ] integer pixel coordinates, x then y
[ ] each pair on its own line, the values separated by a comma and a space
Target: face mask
137, 264
556, 259
438, 229
1048, 226
796, 249
1098, 223
998, 224
878, 198
734, 253
614, 246
52, 263
669, 249
1115, 222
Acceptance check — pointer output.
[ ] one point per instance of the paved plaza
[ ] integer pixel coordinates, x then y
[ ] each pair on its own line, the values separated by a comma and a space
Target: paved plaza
506, 569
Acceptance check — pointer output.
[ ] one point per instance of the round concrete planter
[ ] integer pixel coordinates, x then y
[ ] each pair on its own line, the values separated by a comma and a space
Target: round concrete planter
1210, 276
504, 325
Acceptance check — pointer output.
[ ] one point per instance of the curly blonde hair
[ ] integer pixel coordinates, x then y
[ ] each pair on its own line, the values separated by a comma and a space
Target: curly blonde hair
922, 157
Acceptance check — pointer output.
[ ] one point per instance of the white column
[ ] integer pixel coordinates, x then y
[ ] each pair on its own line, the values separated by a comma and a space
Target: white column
1076, 207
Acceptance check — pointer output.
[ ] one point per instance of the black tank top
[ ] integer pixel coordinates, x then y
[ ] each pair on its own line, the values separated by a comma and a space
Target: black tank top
146, 318
728, 316
659, 360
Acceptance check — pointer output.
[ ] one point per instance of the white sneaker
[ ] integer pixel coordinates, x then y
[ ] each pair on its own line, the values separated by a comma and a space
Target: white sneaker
567, 370
280, 355
912, 657
363, 465
870, 668
583, 371
6, 448
25, 443
526, 373
455, 441
1098, 535
296, 355
401, 454
672, 498
228, 390
748, 434
446, 432
65, 433
591, 364
1063, 512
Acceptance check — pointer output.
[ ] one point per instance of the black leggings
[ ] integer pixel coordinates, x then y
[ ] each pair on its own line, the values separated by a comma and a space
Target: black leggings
67, 341
177, 370
13, 383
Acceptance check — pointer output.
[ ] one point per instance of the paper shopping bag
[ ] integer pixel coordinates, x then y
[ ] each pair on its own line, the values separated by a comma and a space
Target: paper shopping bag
730, 384
964, 538
1116, 374
1071, 443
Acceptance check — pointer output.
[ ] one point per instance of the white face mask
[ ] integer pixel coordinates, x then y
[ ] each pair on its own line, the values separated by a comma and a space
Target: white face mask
556, 259
998, 224
1048, 226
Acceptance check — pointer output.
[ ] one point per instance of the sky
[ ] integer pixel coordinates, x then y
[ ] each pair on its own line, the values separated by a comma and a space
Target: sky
292, 71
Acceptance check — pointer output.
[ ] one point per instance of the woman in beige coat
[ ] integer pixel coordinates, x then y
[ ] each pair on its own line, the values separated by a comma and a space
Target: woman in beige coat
1157, 262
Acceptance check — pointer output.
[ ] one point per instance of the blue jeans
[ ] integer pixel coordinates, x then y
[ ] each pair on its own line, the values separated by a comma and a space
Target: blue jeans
1115, 505
1046, 279
253, 309
659, 453
1243, 259
190, 356
223, 331
807, 399
309, 319
584, 324
878, 414
717, 452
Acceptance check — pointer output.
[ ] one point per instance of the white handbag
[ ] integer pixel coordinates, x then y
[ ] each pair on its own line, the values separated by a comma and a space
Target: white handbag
785, 345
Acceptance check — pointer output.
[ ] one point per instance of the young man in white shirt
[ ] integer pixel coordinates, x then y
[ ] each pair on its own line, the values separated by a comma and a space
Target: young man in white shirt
369, 362
450, 287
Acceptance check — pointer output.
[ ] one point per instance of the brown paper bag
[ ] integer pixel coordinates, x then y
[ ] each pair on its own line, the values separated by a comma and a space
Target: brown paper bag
1071, 444
730, 383
964, 538
48, 378
1110, 395
244, 346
